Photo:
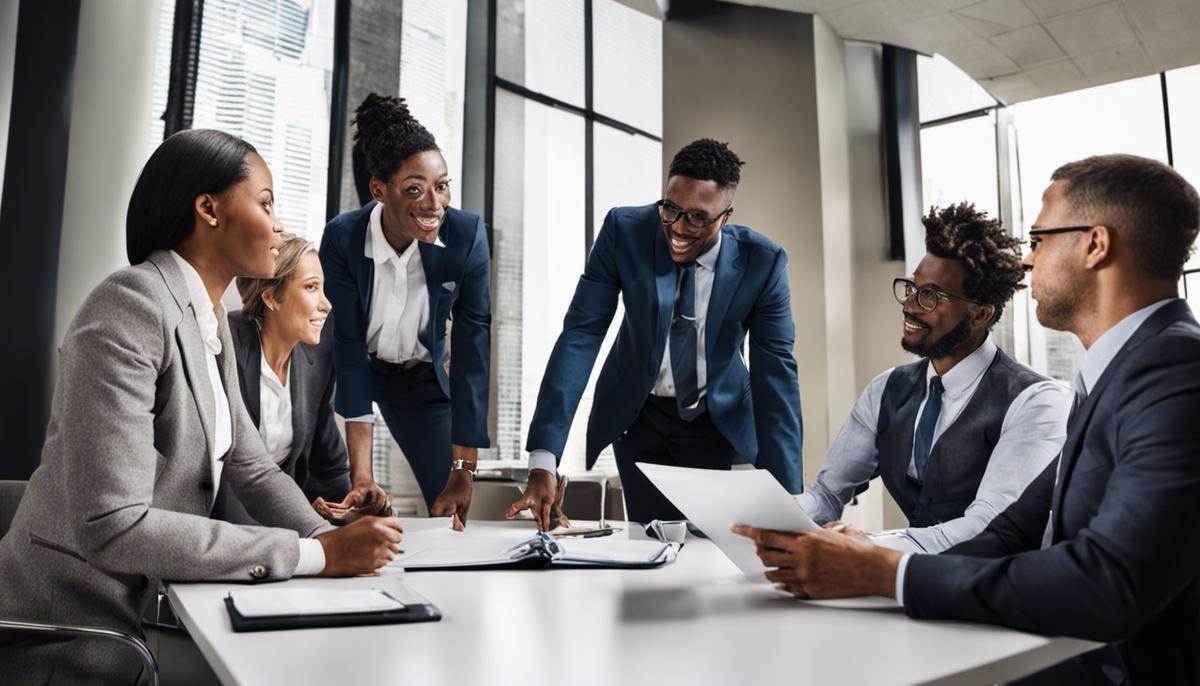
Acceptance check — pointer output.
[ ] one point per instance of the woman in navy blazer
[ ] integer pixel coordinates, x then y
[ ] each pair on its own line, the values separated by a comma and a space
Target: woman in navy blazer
395, 271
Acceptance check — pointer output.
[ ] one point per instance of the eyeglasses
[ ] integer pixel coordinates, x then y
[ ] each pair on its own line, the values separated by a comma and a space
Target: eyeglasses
1035, 235
670, 214
928, 297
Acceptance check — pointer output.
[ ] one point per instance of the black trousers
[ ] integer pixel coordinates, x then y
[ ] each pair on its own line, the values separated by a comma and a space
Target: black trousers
417, 412
659, 436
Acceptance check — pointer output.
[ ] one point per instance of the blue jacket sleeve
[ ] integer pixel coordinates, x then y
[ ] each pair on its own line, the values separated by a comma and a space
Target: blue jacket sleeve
353, 398
471, 343
773, 381
1132, 559
591, 311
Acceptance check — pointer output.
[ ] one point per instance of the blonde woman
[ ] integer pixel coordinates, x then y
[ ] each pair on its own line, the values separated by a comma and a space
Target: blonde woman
285, 368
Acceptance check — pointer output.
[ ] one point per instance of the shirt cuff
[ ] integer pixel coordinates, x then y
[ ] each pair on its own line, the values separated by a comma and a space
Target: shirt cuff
900, 569
365, 419
543, 459
312, 558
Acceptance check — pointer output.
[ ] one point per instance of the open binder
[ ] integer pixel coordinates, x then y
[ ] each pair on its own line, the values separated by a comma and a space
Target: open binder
440, 550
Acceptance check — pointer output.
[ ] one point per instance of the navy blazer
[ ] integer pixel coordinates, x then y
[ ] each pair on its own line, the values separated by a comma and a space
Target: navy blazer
758, 411
458, 280
1125, 564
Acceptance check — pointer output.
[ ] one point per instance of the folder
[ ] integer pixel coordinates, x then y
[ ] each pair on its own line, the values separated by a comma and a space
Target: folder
272, 609
449, 550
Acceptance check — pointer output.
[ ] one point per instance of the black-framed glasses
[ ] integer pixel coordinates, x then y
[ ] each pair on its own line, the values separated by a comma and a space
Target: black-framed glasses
1035, 235
928, 297
669, 213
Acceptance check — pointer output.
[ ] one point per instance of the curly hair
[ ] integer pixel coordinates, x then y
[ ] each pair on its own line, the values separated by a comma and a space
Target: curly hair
388, 134
708, 160
990, 255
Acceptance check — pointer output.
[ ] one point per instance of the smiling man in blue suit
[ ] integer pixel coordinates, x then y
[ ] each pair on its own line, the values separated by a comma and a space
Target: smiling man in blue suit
675, 388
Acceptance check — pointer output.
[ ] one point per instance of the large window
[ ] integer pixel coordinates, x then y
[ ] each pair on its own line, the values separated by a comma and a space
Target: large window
263, 73
1035, 139
547, 206
433, 74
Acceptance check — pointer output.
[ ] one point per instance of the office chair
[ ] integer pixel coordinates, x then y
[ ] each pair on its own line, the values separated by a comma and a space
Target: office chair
10, 497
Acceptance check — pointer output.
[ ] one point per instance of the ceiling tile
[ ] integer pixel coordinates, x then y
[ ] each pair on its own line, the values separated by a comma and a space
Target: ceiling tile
819, 6
940, 32
897, 12
1115, 63
1058, 77
1173, 50
852, 20
1029, 46
957, 4
1163, 16
1044, 9
981, 60
1091, 29
992, 17
1012, 88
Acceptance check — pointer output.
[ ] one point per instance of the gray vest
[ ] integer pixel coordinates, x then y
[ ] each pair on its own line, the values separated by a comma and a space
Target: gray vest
952, 475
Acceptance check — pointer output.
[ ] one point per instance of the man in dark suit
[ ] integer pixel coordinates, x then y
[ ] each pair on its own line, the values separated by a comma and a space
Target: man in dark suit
675, 388
1104, 545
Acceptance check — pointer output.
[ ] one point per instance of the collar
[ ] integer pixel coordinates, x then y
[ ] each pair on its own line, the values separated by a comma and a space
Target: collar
962, 375
1105, 348
206, 313
376, 246
709, 259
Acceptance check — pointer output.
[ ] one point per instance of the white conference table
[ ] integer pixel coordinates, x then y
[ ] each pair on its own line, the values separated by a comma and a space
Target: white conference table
693, 621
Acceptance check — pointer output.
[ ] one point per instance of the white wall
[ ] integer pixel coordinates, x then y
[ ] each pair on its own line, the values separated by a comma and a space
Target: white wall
803, 108
110, 118
8, 53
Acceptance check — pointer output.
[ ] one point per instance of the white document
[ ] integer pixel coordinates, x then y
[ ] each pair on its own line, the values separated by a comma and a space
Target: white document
715, 499
276, 602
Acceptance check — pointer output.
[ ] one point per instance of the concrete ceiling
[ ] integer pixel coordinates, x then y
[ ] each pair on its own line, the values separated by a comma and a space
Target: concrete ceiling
1024, 49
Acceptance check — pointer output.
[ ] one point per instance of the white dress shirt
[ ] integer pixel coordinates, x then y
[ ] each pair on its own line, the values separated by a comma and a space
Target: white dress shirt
399, 307
1095, 360
1031, 435
312, 555
664, 385
275, 413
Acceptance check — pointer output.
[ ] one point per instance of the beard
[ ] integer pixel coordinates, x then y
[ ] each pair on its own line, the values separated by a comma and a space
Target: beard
1057, 311
945, 345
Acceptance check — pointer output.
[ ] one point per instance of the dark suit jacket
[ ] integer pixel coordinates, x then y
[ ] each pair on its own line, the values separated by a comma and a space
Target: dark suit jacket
458, 280
757, 410
1125, 564
318, 460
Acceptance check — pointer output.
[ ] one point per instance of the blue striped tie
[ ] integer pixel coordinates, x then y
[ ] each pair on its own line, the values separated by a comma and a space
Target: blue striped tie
683, 347
923, 442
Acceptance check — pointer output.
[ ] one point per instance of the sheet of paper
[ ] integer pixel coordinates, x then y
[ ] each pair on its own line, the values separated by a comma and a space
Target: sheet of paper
275, 602
716, 499
870, 602
610, 550
444, 547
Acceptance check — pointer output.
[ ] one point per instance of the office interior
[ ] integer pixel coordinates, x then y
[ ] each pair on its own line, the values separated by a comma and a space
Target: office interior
853, 117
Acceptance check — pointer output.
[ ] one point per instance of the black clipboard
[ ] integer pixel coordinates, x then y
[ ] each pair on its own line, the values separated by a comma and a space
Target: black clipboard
422, 612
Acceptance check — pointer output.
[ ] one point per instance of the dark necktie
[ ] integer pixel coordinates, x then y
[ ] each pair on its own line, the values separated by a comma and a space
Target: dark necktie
683, 346
923, 442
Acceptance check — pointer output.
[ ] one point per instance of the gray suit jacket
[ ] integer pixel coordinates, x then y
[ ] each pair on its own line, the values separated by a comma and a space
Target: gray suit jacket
123, 494
318, 460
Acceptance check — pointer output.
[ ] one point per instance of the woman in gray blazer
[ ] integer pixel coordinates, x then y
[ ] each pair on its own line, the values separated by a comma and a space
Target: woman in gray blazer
143, 424
285, 369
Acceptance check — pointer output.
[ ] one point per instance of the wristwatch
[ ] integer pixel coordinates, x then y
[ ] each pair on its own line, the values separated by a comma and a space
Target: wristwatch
467, 466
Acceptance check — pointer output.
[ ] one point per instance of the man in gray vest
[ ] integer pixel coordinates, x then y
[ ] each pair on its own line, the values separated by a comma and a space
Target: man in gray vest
959, 434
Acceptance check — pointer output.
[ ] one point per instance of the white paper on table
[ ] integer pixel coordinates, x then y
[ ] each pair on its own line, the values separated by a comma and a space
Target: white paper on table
715, 499
275, 602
